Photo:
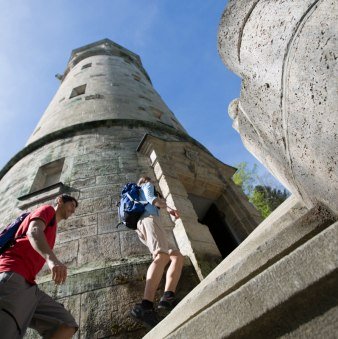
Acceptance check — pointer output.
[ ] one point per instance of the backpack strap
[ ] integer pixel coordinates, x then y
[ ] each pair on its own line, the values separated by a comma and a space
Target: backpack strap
137, 201
118, 214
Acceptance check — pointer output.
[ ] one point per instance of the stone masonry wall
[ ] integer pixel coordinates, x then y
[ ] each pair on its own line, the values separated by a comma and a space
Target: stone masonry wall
106, 265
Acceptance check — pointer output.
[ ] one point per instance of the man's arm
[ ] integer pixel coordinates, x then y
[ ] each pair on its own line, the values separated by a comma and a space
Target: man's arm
161, 203
37, 239
149, 192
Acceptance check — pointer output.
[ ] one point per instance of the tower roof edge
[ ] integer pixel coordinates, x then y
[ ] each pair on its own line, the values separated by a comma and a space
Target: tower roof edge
103, 47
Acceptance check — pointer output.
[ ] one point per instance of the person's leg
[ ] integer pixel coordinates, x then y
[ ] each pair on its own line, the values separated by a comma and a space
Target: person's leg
168, 300
154, 275
144, 312
64, 332
17, 305
174, 271
51, 319
148, 230
8, 326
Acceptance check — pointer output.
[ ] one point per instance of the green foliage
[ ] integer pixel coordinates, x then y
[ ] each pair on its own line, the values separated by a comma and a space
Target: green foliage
263, 197
267, 199
245, 177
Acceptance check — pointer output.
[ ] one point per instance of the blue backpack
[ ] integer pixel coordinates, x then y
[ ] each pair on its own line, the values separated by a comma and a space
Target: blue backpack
130, 208
7, 236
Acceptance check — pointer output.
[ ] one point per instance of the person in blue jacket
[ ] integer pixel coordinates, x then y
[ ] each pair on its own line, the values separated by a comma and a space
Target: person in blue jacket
151, 232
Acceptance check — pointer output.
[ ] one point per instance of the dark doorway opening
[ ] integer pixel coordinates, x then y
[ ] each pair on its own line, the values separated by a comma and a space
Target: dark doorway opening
220, 231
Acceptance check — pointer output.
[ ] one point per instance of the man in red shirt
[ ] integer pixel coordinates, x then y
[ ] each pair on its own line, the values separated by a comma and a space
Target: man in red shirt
22, 303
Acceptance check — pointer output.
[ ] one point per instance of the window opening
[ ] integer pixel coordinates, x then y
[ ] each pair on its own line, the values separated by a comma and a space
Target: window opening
78, 91
86, 65
48, 175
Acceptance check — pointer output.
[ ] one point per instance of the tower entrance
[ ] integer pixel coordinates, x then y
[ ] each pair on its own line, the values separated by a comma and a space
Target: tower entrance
219, 230
211, 216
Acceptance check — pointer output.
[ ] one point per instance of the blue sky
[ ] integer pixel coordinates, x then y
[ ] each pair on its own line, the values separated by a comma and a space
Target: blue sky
176, 40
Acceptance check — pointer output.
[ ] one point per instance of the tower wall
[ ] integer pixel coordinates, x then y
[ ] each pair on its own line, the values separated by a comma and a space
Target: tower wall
116, 87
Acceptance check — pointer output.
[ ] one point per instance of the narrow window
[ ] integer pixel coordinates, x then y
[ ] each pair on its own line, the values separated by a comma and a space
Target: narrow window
86, 65
48, 175
78, 91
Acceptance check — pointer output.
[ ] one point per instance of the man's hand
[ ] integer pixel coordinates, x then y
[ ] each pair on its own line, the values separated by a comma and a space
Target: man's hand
173, 212
58, 270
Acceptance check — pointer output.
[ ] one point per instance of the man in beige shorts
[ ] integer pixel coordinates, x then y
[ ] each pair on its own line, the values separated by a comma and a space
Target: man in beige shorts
152, 234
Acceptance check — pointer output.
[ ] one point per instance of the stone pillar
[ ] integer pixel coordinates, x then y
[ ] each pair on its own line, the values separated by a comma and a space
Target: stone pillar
182, 169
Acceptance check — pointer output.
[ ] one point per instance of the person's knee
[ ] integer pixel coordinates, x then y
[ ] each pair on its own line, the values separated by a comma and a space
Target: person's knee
65, 331
177, 256
162, 258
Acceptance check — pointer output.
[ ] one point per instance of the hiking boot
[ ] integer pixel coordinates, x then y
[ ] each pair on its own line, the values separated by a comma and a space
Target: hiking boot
167, 303
148, 317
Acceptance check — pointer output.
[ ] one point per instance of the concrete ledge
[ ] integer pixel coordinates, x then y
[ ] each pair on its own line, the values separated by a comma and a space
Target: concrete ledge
310, 268
286, 229
93, 278
78, 128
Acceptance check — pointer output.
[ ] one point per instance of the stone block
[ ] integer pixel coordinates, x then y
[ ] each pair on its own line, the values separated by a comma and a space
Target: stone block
172, 186
76, 222
105, 312
101, 248
97, 191
94, 205
284, 113
68, 252
86, 169
80, 183
131, 245
107, 222
78, 233
158, 170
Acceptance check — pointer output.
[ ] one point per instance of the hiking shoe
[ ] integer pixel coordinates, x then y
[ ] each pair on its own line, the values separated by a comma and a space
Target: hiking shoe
167, 303
148, 318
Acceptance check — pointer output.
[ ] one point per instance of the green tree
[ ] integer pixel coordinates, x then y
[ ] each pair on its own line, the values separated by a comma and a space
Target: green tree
264, 197
245, 177
267, 199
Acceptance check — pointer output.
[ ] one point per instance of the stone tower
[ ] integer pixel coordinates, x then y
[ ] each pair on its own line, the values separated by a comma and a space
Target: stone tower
105, 126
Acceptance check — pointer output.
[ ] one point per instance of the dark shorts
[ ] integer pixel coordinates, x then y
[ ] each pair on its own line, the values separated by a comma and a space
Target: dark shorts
24, 305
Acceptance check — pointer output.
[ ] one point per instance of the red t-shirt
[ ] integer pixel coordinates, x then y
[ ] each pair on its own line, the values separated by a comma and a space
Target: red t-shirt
22, 258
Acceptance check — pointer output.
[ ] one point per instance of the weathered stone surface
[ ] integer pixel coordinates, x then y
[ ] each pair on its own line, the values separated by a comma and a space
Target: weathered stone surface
94, 204
107, 222
130, 244
106, 312
116, 101
286, 228
72, 235
275, 289
105, 247
76, 222
101, 298
287, 113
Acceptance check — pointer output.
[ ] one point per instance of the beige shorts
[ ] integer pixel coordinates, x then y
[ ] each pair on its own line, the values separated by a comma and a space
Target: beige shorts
23, 305
151, 233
